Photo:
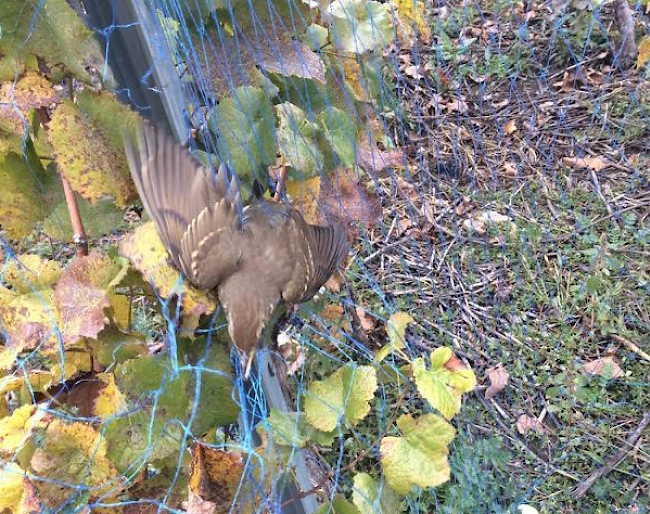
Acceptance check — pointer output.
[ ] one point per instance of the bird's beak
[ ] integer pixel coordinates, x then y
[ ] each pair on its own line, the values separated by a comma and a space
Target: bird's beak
247, 362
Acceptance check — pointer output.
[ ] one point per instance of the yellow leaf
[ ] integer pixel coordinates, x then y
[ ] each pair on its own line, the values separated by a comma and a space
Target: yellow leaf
411, 13
29, 272
644, 53
110, 400
147, 253
11, 486
37, 380
304, 197
15, 429
74, 455
215, 470
396, 330
74, 362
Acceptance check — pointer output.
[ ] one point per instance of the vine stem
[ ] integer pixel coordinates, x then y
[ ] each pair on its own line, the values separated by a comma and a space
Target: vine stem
79, 233
280, 185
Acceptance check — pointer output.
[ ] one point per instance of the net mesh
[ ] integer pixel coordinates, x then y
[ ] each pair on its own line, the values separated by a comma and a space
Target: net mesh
492, 170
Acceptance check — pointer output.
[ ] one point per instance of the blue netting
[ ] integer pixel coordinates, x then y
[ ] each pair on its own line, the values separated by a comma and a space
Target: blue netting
499, 194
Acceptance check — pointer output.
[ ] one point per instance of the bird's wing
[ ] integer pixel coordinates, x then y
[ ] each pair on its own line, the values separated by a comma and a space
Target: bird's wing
195, 211
328, 247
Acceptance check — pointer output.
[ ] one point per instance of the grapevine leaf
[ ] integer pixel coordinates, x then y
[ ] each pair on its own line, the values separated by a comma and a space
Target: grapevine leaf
304, 197
340, 133
17, 428
150, 375
344, 395
245, 125
372, 497
411, 18
339, 505
110, 400
396, 330
53, 32
86, 143
27, 309
291, 429
25, 186
99, 219
297, 140
31, 91
419, 456
140, 437
73, 455
82, 295
440, 386
114, 347
360, 25
12, 491
147, 253
216, 475
31, 272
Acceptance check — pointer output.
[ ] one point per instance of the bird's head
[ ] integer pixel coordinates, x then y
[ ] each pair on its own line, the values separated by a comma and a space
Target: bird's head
248, 306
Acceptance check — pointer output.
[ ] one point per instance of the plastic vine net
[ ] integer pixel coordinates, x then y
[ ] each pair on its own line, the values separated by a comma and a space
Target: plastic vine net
483, 348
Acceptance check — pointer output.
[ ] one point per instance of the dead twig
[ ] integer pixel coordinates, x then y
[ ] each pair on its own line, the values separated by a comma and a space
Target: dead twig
613, 460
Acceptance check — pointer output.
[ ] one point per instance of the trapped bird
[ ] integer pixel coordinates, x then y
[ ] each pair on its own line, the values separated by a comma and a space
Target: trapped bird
256, 257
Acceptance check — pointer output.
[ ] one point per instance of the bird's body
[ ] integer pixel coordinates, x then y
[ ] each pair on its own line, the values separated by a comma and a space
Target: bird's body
256, 257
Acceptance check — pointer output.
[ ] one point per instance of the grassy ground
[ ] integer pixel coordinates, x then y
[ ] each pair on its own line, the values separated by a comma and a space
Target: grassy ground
495, 125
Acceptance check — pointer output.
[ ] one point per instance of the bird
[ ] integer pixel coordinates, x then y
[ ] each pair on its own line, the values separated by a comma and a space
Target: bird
256, 257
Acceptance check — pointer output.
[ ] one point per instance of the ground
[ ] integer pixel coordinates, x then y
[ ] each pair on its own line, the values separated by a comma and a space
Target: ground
519, 234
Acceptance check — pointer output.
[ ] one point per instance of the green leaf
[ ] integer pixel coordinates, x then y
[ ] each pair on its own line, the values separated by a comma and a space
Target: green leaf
396, 330
339, 505
316, 36
245, 125
141, 437
114, 347
419, 456
98, 219
291, 429
88, 148
442, 387
26, 187
360, 25
50, 30
342, 397
341, 134
297, 140
151, 376
372, 497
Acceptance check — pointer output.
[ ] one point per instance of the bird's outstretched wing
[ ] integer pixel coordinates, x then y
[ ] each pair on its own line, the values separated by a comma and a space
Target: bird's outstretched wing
194, 209
328, 246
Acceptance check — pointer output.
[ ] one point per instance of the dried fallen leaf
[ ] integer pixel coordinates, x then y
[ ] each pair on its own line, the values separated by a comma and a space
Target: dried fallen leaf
335, 282
499, 377
344, 199
403, 226
458, 106
526, 423
374, 160
481, 221
586, 163
367, 321
510, 127
605, 367
644, 53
